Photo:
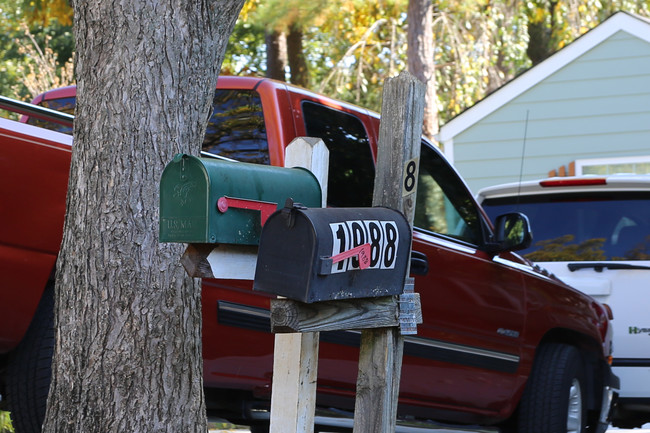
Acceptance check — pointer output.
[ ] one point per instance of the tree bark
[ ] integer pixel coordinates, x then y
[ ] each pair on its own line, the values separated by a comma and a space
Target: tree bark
296, 56
276, 54
421, 62
541, 33
127, 318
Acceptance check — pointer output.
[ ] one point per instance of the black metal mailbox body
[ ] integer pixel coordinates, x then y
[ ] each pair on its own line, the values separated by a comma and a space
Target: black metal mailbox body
321, 254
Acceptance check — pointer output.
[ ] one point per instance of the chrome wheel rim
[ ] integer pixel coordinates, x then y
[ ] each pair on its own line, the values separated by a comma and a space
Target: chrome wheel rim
574, 416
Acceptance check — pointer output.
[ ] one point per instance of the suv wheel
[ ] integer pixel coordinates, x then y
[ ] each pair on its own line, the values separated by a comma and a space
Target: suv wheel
553, 401
30, 369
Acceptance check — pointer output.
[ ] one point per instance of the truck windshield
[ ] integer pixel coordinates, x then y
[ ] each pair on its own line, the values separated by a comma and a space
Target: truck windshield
582, 227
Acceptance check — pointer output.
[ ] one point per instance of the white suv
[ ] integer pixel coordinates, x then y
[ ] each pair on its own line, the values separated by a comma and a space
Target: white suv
594, 234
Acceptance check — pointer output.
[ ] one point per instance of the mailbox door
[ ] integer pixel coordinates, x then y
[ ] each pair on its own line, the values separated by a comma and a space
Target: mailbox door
184, 187
287, 251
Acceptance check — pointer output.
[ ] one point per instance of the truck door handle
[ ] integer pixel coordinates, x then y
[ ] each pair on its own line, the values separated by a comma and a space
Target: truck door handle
419, 263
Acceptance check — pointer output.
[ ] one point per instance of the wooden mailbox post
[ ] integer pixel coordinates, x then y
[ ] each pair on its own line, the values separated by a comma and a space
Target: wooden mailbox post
398, 153
295, 357
382, 320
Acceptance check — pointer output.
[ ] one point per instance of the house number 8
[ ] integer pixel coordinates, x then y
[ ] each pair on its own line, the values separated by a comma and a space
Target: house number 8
410, 177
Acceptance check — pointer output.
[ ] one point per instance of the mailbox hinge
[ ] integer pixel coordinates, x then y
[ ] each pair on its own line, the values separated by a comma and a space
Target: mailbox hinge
410, 309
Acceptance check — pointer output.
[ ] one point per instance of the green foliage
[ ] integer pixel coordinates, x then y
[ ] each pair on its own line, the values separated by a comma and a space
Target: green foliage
552, 24
352, 46
43, 12
246, 51
357, 48
31, 54
5, 423
41, 69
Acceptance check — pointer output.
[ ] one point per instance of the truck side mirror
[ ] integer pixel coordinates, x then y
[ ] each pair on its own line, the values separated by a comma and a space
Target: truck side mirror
512, 233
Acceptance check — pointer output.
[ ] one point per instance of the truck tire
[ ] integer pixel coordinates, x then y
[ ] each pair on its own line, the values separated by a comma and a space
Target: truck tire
30, 369
553, 401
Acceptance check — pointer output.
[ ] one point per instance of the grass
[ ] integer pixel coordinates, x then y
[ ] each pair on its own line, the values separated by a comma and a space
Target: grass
6, 427
216, 424
5, 423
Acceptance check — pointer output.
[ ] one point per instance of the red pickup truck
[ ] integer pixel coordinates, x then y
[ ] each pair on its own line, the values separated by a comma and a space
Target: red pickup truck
503, 342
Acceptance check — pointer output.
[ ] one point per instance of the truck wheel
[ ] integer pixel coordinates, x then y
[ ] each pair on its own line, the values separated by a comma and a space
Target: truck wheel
553, 401
30, 369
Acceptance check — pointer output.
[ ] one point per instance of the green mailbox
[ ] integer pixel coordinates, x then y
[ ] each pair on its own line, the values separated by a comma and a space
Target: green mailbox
206, 200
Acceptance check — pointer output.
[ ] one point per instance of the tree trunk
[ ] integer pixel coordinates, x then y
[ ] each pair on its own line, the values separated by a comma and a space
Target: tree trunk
541, 33
128, 319
421, 62
296, 56
276, 54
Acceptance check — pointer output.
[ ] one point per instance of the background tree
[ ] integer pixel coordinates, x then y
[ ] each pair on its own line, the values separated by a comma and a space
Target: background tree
365, 44
35, 49
281, 23
44, 11
42, 69
276, 54
350, 47
128, 319
421, 62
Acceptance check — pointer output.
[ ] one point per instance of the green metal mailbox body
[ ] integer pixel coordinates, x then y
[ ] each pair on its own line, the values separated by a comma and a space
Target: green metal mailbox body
206, 200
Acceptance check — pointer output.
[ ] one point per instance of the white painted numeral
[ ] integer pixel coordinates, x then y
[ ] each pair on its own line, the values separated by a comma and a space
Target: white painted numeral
382, 236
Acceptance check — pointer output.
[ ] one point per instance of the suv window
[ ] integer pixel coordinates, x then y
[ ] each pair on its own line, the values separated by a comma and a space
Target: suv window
444, 205
236, 128
585, 226
65, 105
351, 184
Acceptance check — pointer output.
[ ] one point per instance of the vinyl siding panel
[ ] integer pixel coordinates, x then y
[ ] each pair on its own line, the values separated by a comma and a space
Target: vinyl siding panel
597, 106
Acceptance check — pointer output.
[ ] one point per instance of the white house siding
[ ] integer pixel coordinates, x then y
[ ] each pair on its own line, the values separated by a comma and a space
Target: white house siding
596, 106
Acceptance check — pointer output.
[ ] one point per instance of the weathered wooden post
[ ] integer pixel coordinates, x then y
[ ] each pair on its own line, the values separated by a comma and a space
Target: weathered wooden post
295, 357
380, 359
336, 266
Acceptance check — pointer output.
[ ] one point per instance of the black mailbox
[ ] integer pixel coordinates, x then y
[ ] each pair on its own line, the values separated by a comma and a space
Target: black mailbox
321, 254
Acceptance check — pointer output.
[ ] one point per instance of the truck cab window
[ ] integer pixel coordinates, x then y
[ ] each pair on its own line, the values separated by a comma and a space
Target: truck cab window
236, 128
65, 105
443, 204
351, 182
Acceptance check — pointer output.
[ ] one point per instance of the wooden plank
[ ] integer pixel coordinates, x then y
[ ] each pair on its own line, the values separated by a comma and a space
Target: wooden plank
380, 358
288, 315
295, 368
235, 262
195, 260
292, 316
312, 154
295, 362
